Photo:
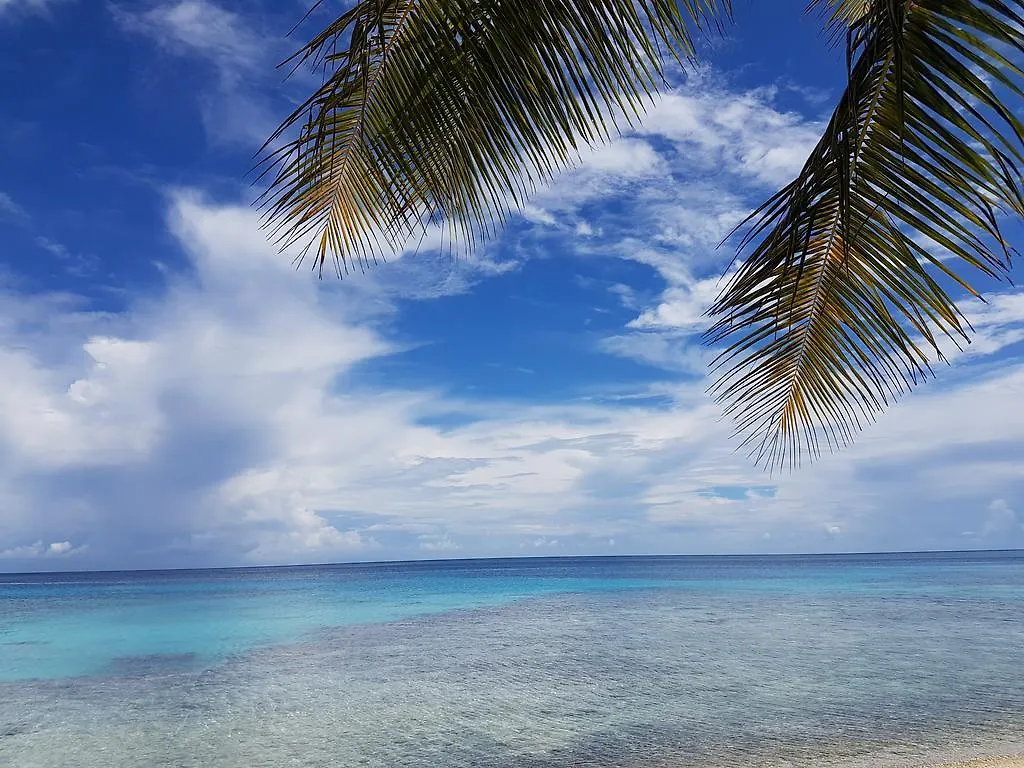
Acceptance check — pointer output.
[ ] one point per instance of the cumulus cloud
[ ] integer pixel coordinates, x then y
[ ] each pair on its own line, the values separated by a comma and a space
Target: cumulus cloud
1000, 521
39, 549
743, 133
543, 542
439, 543
629, 157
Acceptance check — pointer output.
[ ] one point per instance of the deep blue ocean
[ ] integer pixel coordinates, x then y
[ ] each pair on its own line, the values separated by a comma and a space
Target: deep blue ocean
521, 663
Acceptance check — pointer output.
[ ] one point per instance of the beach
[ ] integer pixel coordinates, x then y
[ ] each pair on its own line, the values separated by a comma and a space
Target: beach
1013, 758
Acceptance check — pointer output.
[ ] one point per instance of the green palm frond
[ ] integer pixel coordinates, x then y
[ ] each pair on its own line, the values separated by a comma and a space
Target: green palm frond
451, 111
843, 14
839, 306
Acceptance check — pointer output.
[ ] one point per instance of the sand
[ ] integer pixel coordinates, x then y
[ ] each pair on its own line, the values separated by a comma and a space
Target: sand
1009, 761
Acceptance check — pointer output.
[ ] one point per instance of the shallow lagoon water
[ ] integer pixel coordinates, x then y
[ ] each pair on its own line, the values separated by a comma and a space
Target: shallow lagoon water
539, 663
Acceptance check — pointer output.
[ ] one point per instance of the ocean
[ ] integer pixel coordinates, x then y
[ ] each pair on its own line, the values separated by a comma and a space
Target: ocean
899, 659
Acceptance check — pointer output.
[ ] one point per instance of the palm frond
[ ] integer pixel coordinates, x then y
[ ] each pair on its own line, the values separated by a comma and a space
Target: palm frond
842, 14
838, 308
452, 111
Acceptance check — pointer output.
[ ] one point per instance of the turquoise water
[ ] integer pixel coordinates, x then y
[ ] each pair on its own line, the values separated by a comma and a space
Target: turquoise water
540, 663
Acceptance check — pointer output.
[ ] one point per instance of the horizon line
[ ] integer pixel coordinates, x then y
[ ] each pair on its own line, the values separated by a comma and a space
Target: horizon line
436, 560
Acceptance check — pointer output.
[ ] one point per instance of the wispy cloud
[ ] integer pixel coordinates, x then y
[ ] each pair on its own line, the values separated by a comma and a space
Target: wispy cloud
10, 209
199, 28
236, 107
1000, 521
706, 153
75, 264
11, 8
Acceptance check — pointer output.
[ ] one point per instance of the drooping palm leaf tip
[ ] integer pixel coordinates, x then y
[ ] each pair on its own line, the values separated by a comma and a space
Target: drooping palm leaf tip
449, 112
840, 296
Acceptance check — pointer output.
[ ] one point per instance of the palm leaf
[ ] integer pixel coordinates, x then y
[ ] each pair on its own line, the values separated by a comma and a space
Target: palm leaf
838, 308
452, 111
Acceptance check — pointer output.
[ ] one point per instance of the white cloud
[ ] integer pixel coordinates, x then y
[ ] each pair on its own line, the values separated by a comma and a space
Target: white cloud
722, 151
742, 133
96, 419
683, 304
57, 249
200, 28
542, 542
234, 108
39, 549
23, 552
719, 150
8, 207
627, 157
669, 352
1000, 520
432, 542
10, 7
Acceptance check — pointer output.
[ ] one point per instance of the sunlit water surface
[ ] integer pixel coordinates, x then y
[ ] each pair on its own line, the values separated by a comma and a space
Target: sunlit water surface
549, 663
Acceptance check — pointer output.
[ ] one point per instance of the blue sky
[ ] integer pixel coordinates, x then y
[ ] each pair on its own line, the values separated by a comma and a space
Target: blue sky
176, 394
